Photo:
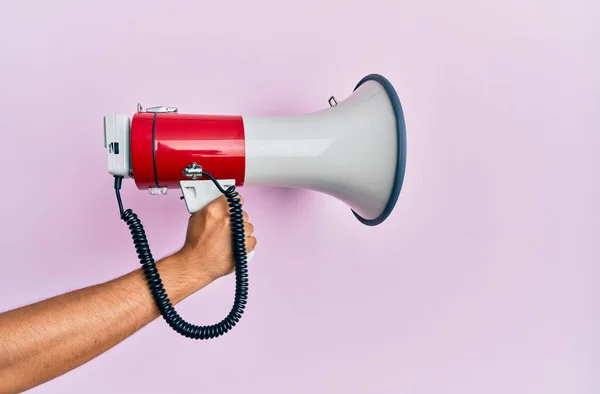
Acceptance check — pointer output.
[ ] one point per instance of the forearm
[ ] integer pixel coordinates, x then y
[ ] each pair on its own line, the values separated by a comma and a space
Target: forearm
42, 341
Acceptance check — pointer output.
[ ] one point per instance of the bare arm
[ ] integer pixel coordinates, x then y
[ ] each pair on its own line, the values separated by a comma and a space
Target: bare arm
42, 341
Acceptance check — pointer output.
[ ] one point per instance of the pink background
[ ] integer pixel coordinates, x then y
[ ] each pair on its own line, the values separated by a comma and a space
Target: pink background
484, 279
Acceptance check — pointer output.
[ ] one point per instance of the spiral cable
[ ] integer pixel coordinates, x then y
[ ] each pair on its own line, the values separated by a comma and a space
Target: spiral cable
167, 311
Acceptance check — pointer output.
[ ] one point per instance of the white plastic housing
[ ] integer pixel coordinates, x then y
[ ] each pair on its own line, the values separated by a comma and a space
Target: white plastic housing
116, 142
347, 151
199, 193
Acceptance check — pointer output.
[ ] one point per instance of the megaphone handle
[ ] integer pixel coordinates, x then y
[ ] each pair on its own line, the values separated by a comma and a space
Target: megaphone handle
153, 277
199, 193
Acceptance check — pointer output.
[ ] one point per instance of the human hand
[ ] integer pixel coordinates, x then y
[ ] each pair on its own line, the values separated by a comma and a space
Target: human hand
207, 252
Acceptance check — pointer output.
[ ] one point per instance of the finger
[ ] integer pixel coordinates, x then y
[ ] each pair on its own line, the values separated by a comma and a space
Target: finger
245, 216
221, 202
250, 244
248, 229
218, 207
241, 199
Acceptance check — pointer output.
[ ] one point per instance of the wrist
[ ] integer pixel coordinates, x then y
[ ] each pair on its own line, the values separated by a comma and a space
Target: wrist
181, 275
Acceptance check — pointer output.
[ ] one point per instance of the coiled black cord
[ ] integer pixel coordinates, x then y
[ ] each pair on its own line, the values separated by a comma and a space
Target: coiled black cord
155, 283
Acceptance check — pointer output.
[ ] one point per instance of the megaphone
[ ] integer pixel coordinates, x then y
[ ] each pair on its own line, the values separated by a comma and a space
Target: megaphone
354, 150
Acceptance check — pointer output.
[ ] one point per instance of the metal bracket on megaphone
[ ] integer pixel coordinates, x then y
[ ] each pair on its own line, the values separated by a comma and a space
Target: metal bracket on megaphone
158, 109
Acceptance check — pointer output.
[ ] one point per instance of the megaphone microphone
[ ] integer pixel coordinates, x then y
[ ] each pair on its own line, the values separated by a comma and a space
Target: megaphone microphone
355, 151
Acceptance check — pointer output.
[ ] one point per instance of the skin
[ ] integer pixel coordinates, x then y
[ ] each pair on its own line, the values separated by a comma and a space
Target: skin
42, 341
